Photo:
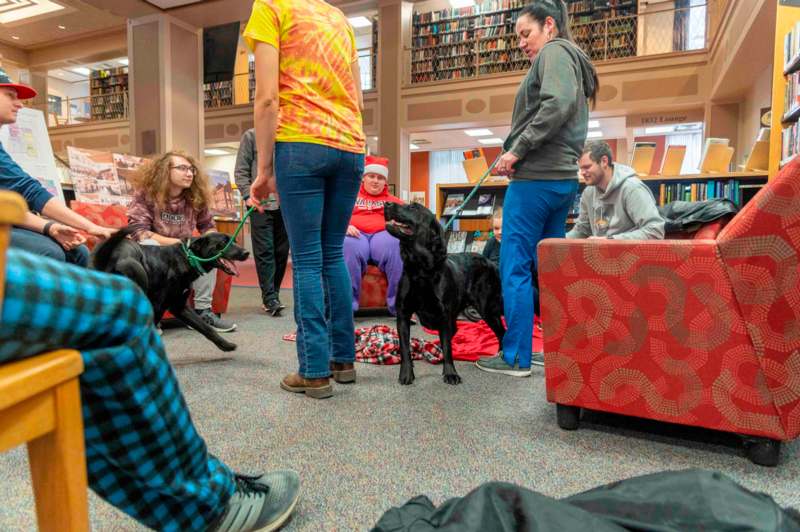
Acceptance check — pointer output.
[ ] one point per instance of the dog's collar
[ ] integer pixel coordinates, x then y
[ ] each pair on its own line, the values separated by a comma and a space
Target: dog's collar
192, 258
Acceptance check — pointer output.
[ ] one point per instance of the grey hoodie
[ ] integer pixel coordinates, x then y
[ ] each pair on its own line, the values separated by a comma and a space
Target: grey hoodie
626, 210
551, 113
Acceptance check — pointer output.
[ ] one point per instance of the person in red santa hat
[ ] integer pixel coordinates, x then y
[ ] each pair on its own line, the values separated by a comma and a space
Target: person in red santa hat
367, 240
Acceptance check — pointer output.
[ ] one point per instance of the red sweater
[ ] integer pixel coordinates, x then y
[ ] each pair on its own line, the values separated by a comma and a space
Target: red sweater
368, 212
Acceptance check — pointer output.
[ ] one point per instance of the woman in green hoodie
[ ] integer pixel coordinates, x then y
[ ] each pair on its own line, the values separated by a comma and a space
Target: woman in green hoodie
548, 131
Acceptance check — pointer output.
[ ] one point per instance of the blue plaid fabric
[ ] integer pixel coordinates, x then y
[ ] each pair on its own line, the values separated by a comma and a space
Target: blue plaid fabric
143, 452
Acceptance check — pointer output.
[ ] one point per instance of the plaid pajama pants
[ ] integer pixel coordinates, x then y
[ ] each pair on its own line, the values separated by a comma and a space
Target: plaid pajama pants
143, 452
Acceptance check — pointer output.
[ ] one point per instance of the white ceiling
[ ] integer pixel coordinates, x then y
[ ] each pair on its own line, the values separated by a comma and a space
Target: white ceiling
70, 76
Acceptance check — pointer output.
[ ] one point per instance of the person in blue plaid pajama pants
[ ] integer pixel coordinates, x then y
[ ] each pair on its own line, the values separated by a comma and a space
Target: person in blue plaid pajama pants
143, 452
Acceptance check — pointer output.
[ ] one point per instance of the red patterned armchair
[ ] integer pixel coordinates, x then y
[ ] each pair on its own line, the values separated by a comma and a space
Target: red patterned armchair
695, 332
117, 216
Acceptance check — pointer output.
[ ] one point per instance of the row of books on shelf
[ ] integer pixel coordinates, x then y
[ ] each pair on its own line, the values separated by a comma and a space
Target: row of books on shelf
730, 189
791, 45
791, 98
790, 141
481, 7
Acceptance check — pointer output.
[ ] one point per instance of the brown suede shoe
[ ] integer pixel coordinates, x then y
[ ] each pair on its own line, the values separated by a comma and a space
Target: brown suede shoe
343, 373
316, 388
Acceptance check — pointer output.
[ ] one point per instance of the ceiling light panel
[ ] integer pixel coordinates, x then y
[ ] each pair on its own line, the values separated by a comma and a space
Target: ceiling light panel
493, 140
479, 132
25, 9
359, 22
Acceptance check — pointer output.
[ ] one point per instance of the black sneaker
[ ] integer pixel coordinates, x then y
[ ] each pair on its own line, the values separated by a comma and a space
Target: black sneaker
274, 308
260, 503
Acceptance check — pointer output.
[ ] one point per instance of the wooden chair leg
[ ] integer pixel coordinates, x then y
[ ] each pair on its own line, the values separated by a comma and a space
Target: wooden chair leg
58, 467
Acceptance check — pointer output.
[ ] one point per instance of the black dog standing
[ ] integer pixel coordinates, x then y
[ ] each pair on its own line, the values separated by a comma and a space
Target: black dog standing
165, 275
438, 287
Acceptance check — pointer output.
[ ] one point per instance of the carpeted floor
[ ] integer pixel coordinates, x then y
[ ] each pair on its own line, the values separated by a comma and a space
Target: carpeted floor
375, 444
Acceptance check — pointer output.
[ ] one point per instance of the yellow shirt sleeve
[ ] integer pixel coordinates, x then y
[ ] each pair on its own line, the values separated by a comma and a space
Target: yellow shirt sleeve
264, 25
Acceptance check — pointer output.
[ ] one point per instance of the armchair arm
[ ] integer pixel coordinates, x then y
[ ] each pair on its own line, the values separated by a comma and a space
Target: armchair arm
12, 208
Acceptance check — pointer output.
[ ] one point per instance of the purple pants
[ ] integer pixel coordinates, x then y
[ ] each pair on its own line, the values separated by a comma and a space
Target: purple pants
381, 249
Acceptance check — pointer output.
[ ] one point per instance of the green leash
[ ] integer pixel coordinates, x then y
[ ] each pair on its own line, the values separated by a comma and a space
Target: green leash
197, 262
472, 193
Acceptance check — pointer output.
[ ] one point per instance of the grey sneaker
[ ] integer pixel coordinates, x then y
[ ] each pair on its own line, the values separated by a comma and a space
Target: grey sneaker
260, 503
537, 358
216, 323
496, 364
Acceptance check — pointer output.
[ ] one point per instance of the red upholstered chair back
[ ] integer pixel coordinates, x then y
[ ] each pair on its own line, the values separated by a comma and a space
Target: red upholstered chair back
760, 250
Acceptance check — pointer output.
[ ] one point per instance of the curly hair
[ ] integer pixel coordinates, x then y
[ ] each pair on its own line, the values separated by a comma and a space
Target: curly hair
153, 179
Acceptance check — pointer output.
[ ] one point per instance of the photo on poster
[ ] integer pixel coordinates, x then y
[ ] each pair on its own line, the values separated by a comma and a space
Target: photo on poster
94, 177
417, 196
127, 166
224, 204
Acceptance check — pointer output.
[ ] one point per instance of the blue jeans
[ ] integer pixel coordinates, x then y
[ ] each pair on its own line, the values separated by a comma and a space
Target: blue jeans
532, 211
318, 186
39, 244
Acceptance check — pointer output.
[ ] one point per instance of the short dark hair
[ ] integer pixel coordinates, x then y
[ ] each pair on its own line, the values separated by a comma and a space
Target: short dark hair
597, 149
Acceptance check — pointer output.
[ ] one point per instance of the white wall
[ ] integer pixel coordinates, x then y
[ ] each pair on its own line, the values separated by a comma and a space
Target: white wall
58, 87
758, 97
225, 162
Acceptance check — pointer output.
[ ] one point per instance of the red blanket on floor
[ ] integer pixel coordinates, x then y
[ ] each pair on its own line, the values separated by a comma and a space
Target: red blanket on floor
475, 340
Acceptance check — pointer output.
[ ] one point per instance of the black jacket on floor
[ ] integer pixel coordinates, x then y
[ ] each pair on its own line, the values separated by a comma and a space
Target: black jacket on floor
672, 501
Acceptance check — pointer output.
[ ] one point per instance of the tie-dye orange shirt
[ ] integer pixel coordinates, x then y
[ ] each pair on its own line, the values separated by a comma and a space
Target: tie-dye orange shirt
317, 92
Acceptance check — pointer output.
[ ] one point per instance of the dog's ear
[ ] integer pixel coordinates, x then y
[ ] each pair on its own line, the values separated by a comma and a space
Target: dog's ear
436, 240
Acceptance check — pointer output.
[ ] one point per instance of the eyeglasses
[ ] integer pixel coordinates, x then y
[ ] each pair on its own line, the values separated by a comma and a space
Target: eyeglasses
185, 169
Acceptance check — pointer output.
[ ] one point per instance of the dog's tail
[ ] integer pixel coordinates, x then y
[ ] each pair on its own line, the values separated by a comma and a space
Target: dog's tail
101, 256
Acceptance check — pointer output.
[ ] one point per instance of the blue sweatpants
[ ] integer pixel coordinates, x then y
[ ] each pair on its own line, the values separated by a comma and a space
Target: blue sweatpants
143, 453
532, 210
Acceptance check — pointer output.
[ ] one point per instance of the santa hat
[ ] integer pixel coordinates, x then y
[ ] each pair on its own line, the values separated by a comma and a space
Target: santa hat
377, 165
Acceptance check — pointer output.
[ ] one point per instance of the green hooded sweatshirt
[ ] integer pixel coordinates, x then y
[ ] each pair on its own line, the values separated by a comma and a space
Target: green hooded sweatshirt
551, 113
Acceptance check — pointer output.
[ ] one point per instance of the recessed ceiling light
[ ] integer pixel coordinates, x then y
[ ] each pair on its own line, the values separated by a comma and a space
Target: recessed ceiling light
123, 61
493, 140
594, 124
15, 37
83, 71
413, 146
478, 132
595, 134
461, 3
359, 22
215, 152
62, 27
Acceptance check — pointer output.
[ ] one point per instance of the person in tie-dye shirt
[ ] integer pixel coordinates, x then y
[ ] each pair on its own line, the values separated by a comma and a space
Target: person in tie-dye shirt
310, 143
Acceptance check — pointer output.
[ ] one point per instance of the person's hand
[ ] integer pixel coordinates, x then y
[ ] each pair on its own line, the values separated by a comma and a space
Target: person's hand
100, 232
262, 187
250, 202
353, 231
505, 166
68, 237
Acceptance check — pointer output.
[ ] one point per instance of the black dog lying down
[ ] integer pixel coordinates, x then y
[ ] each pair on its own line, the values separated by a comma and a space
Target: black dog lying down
165, 275
438, 287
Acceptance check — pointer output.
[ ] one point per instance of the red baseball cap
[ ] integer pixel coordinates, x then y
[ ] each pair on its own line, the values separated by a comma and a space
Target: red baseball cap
23, 91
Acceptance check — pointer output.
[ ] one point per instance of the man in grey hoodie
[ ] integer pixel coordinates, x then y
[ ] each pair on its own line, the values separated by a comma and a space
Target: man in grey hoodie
615, 204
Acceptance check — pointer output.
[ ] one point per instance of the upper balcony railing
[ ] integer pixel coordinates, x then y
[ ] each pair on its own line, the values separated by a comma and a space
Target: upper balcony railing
475, 51
73, 111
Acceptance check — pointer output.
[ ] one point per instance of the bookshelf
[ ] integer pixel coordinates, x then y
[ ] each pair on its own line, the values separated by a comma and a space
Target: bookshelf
108, 93
218, 94
739, 187
251, 81
479, 40
784, 143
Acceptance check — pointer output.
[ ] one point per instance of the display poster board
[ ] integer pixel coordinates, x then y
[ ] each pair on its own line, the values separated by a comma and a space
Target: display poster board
225, 205
101, 177
28, 144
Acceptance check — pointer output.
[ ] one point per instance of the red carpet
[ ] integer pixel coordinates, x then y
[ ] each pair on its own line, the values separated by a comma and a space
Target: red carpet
248, 278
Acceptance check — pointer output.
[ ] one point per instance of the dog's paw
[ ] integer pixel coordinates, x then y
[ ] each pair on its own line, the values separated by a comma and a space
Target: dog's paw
406, 376
451, 378
227, 346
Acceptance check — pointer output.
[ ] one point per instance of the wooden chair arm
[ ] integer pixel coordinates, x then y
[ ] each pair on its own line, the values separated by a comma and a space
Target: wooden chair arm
12, 208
